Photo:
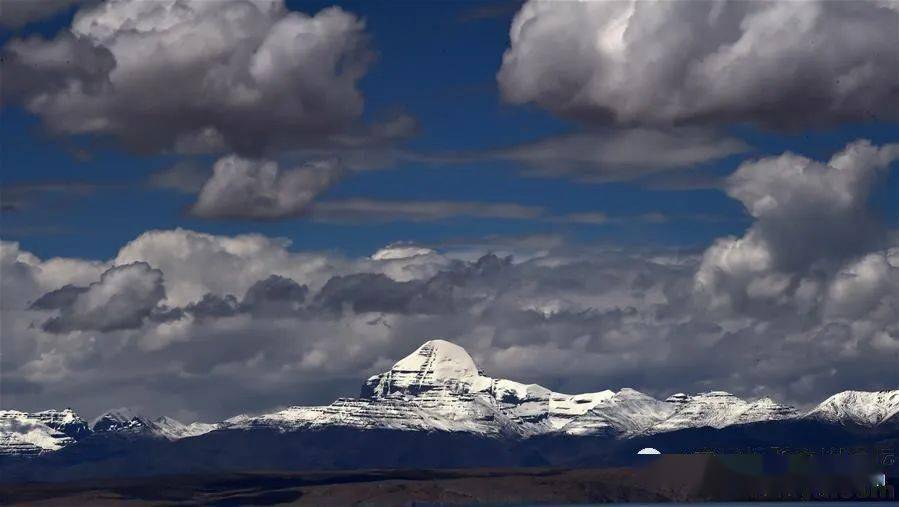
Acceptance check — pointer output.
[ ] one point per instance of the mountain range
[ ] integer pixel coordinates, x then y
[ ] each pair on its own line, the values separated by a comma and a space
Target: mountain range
436, 396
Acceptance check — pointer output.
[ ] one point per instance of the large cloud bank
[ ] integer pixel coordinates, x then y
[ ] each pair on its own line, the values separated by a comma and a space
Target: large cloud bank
198, 325
775, 64
195, 75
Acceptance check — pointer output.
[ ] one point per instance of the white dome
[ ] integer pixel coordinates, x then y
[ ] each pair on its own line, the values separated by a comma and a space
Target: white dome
649, 450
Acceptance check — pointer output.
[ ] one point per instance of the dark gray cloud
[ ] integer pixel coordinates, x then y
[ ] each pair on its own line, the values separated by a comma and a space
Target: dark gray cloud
368, 292
274, 296
60, 298
620, 154
213, 306
599, 154
775, 64
251, 76
370, 210
375, 292
261, 190
122, 298
34, 66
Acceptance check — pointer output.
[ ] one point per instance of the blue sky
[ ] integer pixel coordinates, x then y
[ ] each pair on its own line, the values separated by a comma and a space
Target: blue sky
438, 64
633, 157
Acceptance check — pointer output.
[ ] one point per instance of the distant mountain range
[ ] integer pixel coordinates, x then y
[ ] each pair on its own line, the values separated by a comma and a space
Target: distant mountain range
437, 397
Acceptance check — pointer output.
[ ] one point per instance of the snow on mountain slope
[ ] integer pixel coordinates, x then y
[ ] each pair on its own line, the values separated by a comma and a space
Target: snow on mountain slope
28, 434
718, 409
438, 387
123, 420
626, 412
127, 421
65, 421
361, 413
868, 409
437, 365
442, 379
173, 429
22, 433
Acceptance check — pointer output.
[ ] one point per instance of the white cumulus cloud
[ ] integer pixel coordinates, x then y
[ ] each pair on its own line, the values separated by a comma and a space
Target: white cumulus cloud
776, 64
195, 75
261, 189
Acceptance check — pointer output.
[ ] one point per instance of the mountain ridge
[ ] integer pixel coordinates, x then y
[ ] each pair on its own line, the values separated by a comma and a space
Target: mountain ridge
439, 388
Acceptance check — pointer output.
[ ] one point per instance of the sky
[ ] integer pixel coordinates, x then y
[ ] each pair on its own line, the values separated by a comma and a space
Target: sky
215, 207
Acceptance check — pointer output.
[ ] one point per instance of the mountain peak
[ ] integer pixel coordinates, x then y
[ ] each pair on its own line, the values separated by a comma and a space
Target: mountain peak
441, 358
174, 429
122, 419
435, 365
864, 408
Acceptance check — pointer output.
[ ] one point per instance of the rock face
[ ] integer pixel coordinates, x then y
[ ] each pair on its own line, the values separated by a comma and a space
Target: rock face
123, 420
439, 388
65, 421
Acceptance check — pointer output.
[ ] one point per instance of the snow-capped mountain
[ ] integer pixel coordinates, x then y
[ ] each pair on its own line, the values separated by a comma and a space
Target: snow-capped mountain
718, 409
867, 409
439, 388
127, 421
23, 433
123, 420
65, 421
173, 429
627, 412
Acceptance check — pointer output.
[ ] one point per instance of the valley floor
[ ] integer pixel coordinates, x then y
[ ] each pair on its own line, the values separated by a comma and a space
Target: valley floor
673, 478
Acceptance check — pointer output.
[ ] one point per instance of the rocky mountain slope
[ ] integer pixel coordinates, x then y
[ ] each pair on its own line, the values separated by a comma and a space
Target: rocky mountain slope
439, 388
